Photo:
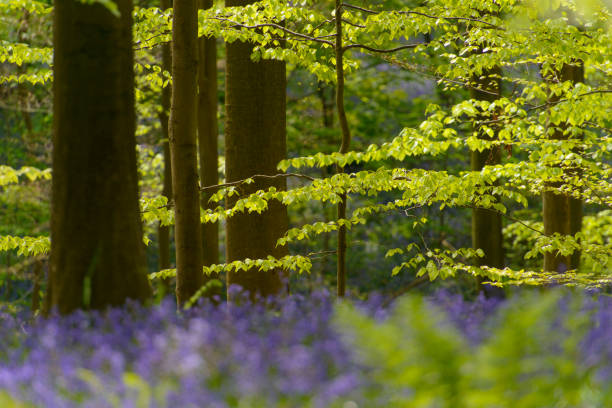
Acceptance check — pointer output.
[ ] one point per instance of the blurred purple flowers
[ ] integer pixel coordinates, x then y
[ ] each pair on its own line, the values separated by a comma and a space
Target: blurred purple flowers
211, 355
287, 353
470, 317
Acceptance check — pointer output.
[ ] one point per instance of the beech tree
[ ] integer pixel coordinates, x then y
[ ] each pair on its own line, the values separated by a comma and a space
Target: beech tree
207, 137
487, 222
558, 127
164, 230
561, 212
492, 27
97, 253
254, 144
183, 122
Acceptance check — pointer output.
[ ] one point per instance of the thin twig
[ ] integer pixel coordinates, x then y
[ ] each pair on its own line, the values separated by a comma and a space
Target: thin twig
150, 38
411, 285
344, 20
264, 176
379, 50
321, 254
421, 70
278, 27
321, 24
544, 105
24, 109
169, 205
418, 13
511, 218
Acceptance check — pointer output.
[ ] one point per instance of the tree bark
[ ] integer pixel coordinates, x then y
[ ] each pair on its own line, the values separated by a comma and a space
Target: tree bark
327, 97
97, 253
189, 276
576, 205
344, 148
37, 279
164, 231
255, 141
562, 213
207, 138
487, 224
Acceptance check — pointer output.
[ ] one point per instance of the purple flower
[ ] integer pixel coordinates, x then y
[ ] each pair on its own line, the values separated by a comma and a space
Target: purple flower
471, 318
212, 355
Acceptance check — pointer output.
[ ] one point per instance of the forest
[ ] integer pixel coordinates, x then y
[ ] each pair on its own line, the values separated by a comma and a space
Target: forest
332, 203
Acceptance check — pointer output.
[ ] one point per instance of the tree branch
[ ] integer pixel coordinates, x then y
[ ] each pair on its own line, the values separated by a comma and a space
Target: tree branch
381, 51
278, 27
263, 176
545, 105
418, 13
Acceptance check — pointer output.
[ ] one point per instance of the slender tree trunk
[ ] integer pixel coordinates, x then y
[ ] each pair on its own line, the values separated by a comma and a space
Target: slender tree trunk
9, 279
561, 213
189, 276
38, 276
327, 97
344, 148
487, 224
97, 253
8, 276
207, 137
164, 231
327, 106
255, 141
22, 89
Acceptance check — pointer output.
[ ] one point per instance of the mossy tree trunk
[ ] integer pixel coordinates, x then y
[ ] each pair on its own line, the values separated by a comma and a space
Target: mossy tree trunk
183, 148
562, 213
255, 141
97, 253
207, 137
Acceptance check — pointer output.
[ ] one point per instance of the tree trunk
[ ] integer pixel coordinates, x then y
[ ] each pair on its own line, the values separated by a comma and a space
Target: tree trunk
189, 276
97, 253
327, 97
37, 279
207, 138
164, 231
344, 148
576, 72
487, 224
255, 141
561, 213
